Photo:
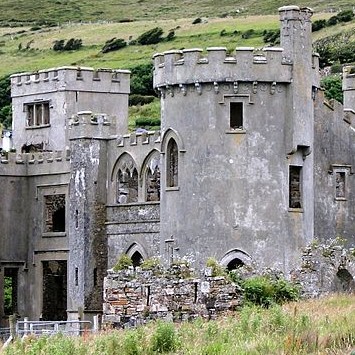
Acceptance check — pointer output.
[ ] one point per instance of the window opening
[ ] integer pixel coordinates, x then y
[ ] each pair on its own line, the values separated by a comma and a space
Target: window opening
127, 186
234, 264
136, 258
37, 114
236, 115
76, 277
55, 213
54, 290
10, 290
340, 184
95, 276
153, 184
172, 164
295, 191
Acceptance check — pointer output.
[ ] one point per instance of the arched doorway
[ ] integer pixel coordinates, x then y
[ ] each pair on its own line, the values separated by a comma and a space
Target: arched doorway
234, 259
137, 254
343, 281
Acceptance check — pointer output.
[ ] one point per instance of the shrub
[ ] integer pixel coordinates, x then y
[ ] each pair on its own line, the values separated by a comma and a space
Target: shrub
72, 44
332, 21
217, 269
123, 262
142, 80
58, 45
147, 122
152, 36
164, 339
271, 36
113, 44
248, 33
136, 99
332, 85
170, 36
196, 21
263, 291
345, 16
150, 264
318, 25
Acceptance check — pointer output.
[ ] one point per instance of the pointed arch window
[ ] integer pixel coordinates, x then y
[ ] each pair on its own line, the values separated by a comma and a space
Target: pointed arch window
152, 178
172, 164
127, 181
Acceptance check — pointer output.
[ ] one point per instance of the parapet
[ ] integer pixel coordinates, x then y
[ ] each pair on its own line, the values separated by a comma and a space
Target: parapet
39, 163
349, 87
139, 138
189, 66
86, 124
71, 78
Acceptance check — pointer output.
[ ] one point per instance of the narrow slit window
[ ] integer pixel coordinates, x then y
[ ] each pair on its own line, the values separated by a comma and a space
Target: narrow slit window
340, 184
10, 290
172, 164
295, 188
236, 115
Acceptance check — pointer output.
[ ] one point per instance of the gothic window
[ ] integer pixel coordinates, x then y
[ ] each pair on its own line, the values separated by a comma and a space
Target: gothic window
127, 181
172, 164
54, 213
236, 115
340, 184
152, 178
37, 114
295, 189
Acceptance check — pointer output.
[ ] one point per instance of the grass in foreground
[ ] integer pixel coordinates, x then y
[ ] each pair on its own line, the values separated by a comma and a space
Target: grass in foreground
323, 326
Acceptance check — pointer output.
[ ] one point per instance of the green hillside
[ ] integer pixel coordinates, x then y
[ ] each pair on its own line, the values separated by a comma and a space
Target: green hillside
59, 11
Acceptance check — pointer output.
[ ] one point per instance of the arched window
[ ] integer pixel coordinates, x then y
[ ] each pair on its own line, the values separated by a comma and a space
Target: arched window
234, 264
152, 177
172, 164
127, 180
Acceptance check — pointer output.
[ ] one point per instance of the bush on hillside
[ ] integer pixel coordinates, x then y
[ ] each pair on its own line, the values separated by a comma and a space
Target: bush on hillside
113, 44
318, 25
137, 99
271, 36
152, 36
5, 102
147, 122
71, 45
142, 80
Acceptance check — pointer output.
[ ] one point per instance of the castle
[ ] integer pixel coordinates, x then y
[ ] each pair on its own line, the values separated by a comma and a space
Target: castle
251, 164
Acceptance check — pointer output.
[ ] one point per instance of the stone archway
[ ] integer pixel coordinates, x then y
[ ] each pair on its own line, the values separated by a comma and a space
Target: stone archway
343, 282
235, 258
137, 254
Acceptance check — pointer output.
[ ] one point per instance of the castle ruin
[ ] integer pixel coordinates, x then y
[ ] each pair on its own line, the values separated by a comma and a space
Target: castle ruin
251, 164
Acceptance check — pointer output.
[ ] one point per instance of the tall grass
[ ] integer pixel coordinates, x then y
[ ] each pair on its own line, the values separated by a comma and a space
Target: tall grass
323, 326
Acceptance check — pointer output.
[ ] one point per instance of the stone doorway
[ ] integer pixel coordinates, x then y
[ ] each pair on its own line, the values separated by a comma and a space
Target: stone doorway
54, 290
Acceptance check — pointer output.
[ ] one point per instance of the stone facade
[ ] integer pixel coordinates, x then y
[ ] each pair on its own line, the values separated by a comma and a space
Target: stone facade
250, 165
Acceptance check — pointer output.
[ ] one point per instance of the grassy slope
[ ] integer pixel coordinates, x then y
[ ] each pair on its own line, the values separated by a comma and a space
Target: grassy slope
92, 10
40, 55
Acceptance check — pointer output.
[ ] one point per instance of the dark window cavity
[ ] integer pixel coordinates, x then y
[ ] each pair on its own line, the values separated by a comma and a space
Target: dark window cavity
340, 184
55, 213
295, 190
236, 115
172, 164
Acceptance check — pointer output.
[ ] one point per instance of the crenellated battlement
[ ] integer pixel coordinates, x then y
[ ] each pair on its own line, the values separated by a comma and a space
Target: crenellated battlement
270, 64
39, 163
70, 78
87, 124
139, 138
190, 66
